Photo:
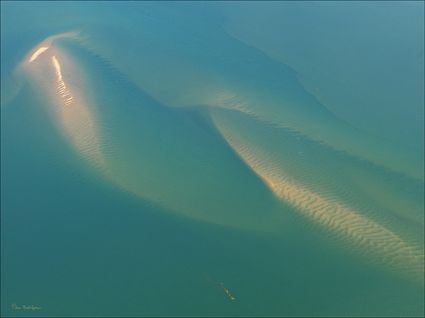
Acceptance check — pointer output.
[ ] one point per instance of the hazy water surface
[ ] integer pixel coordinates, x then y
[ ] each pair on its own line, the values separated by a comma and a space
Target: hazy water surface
186, 159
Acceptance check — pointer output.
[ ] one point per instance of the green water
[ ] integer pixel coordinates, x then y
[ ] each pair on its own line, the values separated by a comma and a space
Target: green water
192, 124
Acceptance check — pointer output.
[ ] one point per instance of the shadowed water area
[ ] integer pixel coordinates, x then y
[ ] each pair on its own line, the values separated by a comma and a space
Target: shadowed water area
172, 159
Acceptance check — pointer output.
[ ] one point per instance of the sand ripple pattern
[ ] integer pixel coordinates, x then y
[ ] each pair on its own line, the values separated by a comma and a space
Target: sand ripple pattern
371, 239
76, 118
54, 75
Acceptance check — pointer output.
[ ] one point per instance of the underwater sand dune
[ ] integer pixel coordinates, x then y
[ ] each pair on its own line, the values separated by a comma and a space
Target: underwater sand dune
157, 151
171, 157
372, 240
304, 115
266, 89
389, 198
58, 80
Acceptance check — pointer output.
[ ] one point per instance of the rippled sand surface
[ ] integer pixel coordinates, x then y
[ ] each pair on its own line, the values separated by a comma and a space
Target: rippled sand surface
153, 164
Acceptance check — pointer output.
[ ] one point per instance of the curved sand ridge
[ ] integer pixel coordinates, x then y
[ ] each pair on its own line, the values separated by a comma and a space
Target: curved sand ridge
57, 77
388, 198
376, 242
324, 129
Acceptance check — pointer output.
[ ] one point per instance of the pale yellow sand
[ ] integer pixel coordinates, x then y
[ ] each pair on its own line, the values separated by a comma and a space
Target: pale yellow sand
368, 237
55, 76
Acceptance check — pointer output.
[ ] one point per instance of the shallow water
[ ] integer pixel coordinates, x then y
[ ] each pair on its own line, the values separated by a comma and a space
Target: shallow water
153, 164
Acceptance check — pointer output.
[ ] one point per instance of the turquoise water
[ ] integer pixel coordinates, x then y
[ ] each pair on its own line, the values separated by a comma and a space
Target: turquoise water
162, 161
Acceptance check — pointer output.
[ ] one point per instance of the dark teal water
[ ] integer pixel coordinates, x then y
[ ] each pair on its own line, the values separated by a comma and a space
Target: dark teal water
225, 187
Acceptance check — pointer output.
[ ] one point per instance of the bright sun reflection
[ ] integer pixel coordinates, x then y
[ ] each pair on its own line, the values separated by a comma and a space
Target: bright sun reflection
38, 52
62, 89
